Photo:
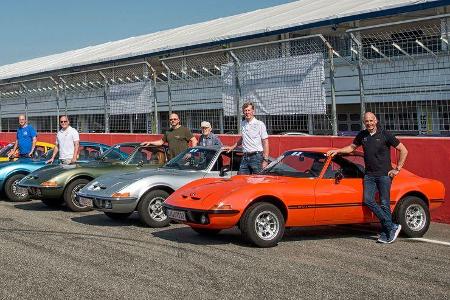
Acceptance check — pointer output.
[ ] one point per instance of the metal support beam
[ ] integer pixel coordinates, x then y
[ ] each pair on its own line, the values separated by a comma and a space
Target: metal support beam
105, 101
360, 78
333, 92
238, 92
169, 89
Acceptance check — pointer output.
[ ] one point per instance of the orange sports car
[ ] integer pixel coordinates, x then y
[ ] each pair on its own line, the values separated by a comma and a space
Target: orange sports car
302, 187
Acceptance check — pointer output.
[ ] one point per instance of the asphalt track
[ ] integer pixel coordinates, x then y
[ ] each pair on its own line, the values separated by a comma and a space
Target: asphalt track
56, 254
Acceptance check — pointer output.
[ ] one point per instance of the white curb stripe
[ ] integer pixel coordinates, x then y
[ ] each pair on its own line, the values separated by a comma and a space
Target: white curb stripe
430, 241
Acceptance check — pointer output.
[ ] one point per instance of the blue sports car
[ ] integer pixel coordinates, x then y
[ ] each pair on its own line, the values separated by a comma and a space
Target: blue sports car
12, 172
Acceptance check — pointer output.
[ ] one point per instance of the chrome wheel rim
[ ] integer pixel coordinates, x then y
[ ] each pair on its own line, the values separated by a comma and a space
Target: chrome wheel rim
155, 209
415, 217
73, 195
267, 225
18, 191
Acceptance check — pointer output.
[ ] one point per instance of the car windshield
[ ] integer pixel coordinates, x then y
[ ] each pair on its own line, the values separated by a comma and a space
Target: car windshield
149, 155
192, 159
297, 164
4, 151
118, 152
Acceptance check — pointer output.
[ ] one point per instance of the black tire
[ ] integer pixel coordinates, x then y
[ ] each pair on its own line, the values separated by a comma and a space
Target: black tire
13, 192
150, 209
252, 217
414, 216
53, 202
70, 196
206, 231
118, 216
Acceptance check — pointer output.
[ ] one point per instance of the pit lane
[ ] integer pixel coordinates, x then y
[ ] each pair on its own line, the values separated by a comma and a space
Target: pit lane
56, 254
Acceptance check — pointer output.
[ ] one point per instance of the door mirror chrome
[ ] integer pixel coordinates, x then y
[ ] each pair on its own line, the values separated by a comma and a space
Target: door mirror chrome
224, 171
338, 176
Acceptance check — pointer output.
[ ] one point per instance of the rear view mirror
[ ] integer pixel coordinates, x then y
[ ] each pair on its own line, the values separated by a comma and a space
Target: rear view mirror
223, 171
338, 176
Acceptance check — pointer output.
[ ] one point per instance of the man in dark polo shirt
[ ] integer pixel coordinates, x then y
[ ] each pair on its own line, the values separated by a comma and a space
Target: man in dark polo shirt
177, 137
379, 172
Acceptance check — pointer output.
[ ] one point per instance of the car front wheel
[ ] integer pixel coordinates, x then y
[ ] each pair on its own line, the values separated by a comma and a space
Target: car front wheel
150, 209
414, 216
70, 195
14, 192
262, 225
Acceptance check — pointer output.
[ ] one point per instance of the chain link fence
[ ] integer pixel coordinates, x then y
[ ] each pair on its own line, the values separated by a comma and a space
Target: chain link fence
400, 71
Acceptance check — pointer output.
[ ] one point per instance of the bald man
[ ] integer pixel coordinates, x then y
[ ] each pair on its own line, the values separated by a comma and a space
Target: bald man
26, 138
177, 137
379, 173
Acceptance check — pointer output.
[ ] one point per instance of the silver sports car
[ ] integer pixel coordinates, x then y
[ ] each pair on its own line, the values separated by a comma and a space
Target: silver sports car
120, 195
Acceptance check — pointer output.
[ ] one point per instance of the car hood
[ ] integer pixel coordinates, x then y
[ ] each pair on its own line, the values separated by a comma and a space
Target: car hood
141, 180
206, 193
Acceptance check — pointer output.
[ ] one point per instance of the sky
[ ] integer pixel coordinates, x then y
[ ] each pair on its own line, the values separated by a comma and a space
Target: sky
31, 28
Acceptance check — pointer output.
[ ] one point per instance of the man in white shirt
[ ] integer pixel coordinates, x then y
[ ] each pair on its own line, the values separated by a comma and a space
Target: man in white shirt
254, 141
67, 143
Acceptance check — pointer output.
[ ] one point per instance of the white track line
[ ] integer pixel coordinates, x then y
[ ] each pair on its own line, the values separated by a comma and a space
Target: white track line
414, 239
430, 241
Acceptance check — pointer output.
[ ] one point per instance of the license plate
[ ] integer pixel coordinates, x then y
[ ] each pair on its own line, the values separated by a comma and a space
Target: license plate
85, 201
176, 215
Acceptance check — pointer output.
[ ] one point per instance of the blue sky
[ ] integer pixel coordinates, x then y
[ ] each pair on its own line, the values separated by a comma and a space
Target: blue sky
31, 28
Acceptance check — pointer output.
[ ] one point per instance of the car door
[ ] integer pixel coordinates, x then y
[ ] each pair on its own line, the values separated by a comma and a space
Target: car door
340, 201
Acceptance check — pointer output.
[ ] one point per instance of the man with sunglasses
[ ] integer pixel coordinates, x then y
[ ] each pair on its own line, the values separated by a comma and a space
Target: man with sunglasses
67, 143
177, 137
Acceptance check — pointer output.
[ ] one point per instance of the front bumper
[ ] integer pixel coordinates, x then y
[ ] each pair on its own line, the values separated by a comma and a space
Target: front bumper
110, 204
40, 192
215, 219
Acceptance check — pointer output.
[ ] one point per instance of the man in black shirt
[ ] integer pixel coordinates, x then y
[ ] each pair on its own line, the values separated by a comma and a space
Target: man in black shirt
379, 172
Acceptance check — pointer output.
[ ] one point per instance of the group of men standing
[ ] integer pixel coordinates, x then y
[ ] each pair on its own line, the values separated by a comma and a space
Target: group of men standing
67, 141
376, 144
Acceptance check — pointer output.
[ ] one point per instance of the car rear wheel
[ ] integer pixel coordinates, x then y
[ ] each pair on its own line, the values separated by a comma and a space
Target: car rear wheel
262, 225
414, 216
14, 192
70, 195
206, 231
150, 209
53, 202
118, 216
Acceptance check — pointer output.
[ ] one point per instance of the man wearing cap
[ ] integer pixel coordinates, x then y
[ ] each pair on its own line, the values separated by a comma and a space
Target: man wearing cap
208, 139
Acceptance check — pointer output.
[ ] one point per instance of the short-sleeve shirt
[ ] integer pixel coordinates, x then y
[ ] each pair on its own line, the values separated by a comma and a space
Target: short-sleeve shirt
211, 140
253, 133
25, 137
377, 152
65, 140
178, 140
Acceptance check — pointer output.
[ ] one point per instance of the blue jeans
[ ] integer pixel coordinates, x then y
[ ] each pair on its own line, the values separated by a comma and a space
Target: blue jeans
251, 164
383, 211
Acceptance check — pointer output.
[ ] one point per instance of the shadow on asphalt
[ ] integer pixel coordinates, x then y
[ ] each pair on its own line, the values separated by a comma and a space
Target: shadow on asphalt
39, 206
233, 236
101, 219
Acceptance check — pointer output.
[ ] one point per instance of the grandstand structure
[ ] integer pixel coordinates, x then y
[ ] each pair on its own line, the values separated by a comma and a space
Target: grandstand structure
310, 66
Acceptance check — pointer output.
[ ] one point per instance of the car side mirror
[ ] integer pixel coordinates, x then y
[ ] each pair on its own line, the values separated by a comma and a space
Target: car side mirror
338, 176
223, 171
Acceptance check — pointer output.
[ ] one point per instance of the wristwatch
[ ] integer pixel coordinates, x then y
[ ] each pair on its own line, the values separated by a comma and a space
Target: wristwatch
266, 159
398, 169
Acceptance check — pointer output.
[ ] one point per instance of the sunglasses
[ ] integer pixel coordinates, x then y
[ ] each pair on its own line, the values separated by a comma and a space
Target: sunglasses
63, 121
173, 119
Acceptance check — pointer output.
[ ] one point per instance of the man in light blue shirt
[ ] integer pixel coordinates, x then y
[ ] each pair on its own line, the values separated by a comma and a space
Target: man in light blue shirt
208, 139
25, 139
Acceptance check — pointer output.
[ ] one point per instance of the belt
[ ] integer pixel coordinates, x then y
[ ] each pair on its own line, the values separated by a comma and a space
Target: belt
252, 153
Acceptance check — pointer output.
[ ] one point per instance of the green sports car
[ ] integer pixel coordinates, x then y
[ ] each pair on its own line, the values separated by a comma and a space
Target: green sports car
58, 184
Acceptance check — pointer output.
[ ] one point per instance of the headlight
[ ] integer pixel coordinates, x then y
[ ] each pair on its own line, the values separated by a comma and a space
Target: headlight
49, 183
121, 195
